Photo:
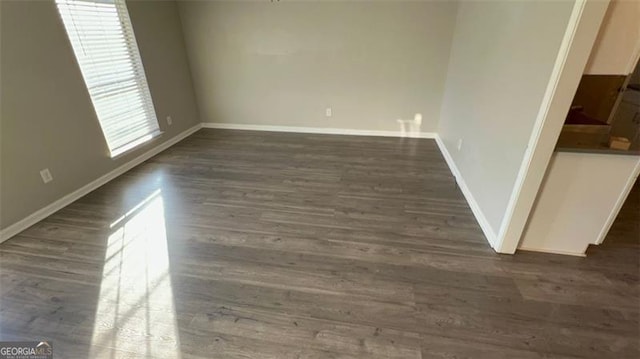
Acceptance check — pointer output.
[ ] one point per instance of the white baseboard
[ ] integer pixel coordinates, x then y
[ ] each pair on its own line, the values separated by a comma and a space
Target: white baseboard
475, 208
549, 251
50, 209
71, 197
319, 130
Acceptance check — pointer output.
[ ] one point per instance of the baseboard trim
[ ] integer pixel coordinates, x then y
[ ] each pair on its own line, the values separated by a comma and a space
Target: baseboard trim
549, 251
50, 209
475, 208
77, 194
318, 130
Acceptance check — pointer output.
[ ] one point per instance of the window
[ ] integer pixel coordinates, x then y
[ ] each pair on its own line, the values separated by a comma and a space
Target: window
104, 44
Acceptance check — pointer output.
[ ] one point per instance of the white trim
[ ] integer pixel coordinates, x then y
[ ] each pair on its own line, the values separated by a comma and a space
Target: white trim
50, 209
551, 252
131, 146
475, 208
552, 85
320, 130
631, 67
619, 203
544, 135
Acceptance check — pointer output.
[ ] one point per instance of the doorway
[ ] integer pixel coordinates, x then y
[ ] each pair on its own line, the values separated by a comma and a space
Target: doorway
625, 120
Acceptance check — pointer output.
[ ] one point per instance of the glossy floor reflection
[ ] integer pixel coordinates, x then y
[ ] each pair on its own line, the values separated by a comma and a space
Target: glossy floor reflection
136, 296
240, 244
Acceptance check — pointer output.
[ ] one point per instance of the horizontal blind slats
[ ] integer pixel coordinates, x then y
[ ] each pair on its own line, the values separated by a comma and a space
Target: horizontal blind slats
103, 41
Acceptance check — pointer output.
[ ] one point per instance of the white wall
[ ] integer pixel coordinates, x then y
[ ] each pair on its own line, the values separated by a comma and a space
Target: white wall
615, 51
283, 63
580, 197
576, 46
502, 57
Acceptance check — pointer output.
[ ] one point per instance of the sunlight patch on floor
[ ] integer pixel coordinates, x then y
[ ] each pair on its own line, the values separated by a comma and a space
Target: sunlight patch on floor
136, 311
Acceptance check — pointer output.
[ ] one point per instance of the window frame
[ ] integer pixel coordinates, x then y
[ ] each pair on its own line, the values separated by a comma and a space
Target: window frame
133, 62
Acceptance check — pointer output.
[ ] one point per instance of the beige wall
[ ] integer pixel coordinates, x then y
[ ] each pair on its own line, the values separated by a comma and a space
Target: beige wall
46, 117
283, 63
618, 44
581, 195
501, 63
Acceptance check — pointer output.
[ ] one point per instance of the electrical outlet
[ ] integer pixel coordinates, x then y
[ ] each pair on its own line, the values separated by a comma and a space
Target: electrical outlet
169, 120
459, 144
328, 112
46, 175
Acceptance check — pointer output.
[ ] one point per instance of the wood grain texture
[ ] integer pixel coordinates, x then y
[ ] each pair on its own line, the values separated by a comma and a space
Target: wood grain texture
239, 244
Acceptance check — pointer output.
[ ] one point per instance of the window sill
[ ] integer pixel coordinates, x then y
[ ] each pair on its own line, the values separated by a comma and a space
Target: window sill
124, 150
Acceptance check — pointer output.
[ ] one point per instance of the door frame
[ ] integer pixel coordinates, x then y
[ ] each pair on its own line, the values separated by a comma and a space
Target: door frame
580, 35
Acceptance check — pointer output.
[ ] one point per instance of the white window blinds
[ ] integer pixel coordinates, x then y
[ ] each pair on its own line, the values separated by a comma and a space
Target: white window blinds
105, 47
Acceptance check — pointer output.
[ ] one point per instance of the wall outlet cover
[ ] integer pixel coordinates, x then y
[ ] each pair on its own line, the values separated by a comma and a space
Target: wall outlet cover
46, 175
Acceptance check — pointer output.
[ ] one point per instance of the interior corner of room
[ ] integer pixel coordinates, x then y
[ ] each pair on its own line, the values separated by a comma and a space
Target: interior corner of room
48, 121
393, 179
491, 92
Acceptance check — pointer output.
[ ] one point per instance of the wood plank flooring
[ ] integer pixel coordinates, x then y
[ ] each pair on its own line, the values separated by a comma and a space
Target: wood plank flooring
239, 244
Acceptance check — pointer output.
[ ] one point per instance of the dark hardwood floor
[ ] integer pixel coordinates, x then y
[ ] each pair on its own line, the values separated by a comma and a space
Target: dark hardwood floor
238, 244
